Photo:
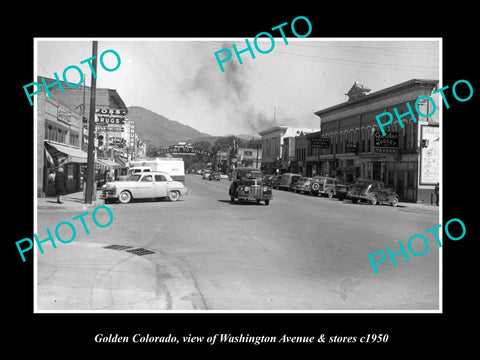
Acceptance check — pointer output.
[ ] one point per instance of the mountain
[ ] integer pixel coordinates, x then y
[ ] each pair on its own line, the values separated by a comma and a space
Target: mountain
159, 130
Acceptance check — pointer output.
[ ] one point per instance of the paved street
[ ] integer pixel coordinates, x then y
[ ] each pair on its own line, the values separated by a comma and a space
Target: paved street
299, 253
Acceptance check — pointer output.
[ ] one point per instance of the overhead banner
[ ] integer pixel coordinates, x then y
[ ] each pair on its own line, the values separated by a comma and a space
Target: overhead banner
183, 150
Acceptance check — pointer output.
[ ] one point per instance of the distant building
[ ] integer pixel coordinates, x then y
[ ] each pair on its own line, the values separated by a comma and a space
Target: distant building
301, 150
249, 157
349, 132
273, 159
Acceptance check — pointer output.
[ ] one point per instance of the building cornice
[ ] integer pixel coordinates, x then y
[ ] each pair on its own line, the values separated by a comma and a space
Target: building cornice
381, 94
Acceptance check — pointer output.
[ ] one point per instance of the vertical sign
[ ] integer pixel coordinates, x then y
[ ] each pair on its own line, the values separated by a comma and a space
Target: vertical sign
430, 155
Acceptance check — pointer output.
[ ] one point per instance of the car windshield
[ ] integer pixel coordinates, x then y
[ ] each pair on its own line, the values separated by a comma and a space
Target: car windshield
362, 183
134, 177
252, 174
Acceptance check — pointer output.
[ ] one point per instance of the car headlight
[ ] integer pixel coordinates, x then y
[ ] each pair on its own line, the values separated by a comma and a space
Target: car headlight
246, 189
265, 188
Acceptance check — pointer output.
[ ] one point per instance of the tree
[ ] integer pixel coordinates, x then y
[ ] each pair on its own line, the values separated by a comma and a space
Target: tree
152, 150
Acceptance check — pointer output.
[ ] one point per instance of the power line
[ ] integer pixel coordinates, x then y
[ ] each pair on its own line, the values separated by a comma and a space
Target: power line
387, 50
354, 62
39, 63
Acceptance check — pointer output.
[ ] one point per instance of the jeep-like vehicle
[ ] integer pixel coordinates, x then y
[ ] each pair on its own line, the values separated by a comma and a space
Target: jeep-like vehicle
247, 185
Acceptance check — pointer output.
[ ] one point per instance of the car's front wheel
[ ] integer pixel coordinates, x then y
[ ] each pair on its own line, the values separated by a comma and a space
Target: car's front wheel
374, 200
125, 197
173, 195
394, 202
267, 202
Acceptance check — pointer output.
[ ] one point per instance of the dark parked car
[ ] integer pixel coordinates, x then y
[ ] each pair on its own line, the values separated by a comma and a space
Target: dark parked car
287, 181
214, 176
341, 191
275, 181
247, 184
267, 179
372, 191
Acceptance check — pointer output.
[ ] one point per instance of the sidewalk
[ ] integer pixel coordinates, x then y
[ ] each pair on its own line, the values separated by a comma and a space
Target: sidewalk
85, 276
73, 201
91, 277
418, 207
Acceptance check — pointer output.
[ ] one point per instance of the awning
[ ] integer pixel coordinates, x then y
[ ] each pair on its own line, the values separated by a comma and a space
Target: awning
65, 153
121, 161
108, 163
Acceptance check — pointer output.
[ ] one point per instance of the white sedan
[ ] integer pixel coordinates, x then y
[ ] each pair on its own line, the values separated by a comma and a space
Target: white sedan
146, 185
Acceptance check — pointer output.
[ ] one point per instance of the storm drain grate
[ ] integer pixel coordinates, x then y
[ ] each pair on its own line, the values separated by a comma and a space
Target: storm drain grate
140, 251
117, 247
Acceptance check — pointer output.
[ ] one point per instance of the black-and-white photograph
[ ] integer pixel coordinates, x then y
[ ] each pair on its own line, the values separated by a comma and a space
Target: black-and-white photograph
269, 174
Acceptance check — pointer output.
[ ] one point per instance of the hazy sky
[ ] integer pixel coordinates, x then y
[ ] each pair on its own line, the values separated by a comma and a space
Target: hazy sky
180, 78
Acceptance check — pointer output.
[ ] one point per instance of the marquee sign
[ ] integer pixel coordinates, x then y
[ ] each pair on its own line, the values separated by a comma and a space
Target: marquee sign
320, 143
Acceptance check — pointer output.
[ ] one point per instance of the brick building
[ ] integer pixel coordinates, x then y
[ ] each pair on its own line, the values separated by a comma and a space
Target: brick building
411, 167
62, 134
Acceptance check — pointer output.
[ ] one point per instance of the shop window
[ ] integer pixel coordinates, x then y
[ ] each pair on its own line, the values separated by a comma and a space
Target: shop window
73, 139
362, 140
411, 175
390, 179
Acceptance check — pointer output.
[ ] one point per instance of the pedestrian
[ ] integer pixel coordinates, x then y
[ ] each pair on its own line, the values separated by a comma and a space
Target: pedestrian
60, 184
437, 193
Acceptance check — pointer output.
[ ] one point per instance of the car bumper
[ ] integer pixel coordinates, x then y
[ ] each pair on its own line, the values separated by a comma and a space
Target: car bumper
255, 196
107, 195
358, 197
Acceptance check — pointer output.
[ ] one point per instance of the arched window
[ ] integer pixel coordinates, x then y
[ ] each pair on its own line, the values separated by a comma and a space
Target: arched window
370, 141
362, 140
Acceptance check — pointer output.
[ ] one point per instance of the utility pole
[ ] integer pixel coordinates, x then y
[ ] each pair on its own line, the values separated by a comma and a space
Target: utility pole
91, 129
83, 113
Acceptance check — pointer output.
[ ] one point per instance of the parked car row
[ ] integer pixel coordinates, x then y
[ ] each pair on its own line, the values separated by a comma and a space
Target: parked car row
372, 191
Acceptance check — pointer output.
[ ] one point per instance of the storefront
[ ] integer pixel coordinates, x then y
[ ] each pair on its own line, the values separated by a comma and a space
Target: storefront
404, 156
70, 159
105, 171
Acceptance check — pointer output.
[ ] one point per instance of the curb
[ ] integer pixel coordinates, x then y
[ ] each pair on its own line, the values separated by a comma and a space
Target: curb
71, 201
